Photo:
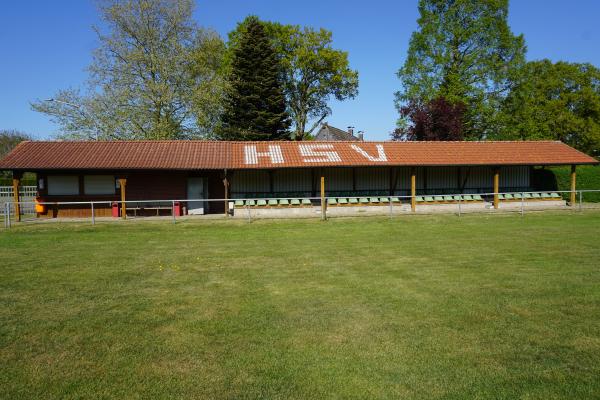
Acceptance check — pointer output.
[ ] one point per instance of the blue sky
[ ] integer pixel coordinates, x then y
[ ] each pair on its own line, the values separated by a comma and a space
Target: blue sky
46, 46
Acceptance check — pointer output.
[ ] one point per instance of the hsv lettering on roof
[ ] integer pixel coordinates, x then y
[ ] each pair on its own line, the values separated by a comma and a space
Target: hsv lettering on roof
211, 155
309, 153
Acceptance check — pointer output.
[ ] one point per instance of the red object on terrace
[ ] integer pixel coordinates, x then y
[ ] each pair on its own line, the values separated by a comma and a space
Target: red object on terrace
115, 209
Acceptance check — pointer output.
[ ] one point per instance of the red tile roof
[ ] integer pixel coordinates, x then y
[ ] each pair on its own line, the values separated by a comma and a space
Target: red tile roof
197, 155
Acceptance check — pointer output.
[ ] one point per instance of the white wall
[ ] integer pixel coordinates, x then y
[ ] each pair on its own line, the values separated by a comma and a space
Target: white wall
441, 179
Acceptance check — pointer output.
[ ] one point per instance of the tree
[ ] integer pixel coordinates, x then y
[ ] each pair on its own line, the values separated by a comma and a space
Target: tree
9, 139
465, 52
255, 107
313, 73
437, 119
155, 75
558, 101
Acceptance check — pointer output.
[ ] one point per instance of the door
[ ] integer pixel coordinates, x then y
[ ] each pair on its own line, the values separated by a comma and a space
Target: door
196, 190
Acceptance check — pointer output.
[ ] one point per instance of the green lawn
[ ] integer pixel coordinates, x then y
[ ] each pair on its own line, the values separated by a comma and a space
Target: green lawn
418, 307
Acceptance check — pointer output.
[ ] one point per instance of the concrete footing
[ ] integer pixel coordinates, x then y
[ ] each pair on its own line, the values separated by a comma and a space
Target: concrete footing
395, 209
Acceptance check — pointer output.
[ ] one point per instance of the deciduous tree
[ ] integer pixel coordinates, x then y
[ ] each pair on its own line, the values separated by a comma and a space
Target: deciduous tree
314, 73
9, 139
155, 75
555, 101
437, 119
464, 51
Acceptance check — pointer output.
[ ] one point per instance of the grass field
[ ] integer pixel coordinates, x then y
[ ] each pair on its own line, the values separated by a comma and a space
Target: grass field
421, 307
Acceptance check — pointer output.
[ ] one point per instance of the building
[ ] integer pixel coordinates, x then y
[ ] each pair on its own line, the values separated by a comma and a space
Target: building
190, 171
329, 133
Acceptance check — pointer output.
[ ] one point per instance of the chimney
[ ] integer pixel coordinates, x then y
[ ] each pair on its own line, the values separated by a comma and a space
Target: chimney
351, 130
361, 136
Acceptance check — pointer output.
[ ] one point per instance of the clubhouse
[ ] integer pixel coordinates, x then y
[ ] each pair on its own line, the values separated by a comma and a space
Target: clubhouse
281, 174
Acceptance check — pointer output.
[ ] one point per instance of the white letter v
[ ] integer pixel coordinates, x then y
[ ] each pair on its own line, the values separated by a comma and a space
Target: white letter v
380, 153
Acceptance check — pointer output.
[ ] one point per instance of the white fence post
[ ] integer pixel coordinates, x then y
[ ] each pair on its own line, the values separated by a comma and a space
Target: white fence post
93, 216
7, 215
522, 203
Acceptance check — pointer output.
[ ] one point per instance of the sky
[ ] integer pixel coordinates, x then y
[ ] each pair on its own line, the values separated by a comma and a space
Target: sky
47, 45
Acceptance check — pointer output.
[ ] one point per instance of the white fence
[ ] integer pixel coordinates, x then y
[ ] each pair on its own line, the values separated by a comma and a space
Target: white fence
310, 207
26, 195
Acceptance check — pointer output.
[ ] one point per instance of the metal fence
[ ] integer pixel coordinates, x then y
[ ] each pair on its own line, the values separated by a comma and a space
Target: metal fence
305, 207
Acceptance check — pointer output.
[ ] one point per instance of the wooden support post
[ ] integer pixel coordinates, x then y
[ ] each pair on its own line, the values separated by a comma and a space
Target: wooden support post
413, 189
496, 186
16, 187
323, 202
573, 185
123, 184
226, 185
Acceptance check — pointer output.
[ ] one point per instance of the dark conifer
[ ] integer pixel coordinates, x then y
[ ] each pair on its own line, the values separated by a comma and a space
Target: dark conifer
255, 108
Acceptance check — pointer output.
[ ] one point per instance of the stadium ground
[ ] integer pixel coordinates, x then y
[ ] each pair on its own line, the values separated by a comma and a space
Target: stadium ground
422, 307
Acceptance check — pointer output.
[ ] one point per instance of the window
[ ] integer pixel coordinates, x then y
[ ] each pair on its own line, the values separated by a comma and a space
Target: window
99, 184
63, 185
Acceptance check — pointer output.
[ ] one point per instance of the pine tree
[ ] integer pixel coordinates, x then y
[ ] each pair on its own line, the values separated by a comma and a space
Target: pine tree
255, 106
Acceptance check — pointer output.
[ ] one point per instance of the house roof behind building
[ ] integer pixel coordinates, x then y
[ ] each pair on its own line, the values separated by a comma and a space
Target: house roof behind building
331, 133
198, 155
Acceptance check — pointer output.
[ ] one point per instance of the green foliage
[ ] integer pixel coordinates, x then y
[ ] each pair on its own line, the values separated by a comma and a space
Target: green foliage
28, 179
154, 76
588, 177
255, 106
464, 51
313, 72
558, 101
9, 139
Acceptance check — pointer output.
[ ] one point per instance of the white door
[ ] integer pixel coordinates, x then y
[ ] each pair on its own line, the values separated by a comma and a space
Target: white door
195, 191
